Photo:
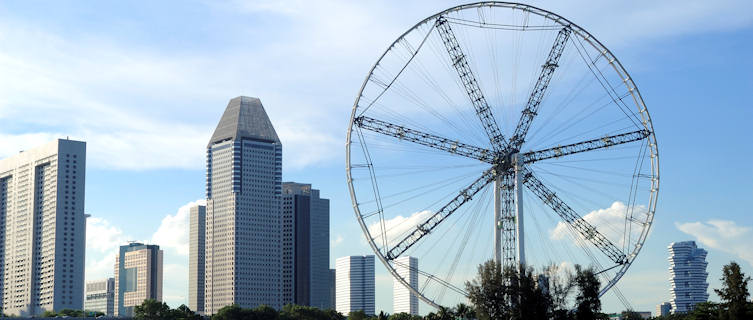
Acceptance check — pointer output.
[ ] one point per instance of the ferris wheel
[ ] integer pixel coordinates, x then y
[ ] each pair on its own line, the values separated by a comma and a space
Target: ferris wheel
500, 131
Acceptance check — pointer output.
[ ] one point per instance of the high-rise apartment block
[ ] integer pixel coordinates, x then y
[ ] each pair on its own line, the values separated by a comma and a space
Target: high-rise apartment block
305, 246
243, 217
43, 228
355, 284
687, 276
403, 300
100, 296
197, 228
138, 276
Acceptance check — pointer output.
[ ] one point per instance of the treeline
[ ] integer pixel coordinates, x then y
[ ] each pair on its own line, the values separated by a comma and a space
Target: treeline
734, 303
496, 293
519, 293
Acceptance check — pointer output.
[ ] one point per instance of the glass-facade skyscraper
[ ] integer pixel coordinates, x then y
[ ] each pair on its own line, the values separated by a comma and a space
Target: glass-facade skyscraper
305, 233
243, 216
687, 276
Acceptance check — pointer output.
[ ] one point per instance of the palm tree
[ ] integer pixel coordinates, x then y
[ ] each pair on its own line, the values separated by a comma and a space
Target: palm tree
464, 311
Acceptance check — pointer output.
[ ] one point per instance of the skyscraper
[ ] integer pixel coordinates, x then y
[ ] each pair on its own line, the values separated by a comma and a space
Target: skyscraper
100, 296
43, 228
332, 290
355, 284
243, 220
687, 276
305, 233
197, 223
138, 276
403, 300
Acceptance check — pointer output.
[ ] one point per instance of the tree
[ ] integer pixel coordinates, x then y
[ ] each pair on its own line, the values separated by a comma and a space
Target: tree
630, 315
152, 309
357, 315
588, 305
183, 312
232, 312
487, 292
403, 316
464, 311
704, 311
561, 282
734, 293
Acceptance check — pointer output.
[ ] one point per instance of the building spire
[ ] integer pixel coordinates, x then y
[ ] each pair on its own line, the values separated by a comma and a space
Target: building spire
244, 117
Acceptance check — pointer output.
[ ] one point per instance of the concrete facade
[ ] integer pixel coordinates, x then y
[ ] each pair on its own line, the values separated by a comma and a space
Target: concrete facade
403, 300
243, 220
43, 228
100, 296
305, 239
355, 284
138, 276
196, 256
687, 276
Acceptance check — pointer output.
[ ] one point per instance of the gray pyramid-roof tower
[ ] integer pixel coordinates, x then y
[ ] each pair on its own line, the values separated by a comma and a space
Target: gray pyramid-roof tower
244, 117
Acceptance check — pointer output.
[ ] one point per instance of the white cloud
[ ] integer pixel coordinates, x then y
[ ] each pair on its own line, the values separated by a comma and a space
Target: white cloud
724, 235
337, 241
610, 222
172, 234
102, 243
175, 283
397, 227
141, 105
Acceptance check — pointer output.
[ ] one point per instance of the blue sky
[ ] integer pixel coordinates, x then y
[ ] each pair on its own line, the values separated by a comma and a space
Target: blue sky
144, 83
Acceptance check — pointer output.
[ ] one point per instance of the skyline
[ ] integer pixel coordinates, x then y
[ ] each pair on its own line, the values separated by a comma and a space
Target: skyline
122, 130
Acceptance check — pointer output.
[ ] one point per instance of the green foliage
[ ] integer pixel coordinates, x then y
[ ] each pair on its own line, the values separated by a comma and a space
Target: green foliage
509, 294
488, 292
292, 311
630, 315
357, 315
734, 293
69, 313
588, 304
464, 311
403, 316
152, 309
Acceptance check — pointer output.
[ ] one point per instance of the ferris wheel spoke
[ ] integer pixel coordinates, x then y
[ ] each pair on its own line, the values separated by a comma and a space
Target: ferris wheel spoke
472, 88
448, 209
425, 139
584, 146
537, 95
570, 217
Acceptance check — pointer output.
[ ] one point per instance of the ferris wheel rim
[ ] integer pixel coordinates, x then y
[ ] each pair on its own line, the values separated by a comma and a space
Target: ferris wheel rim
590, 39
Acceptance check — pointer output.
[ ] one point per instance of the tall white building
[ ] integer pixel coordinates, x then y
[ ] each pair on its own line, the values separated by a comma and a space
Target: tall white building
305, 246
100, 296
687, 276
403, 300
196, 256
243, 220
354, 284
138, 276
43, 228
